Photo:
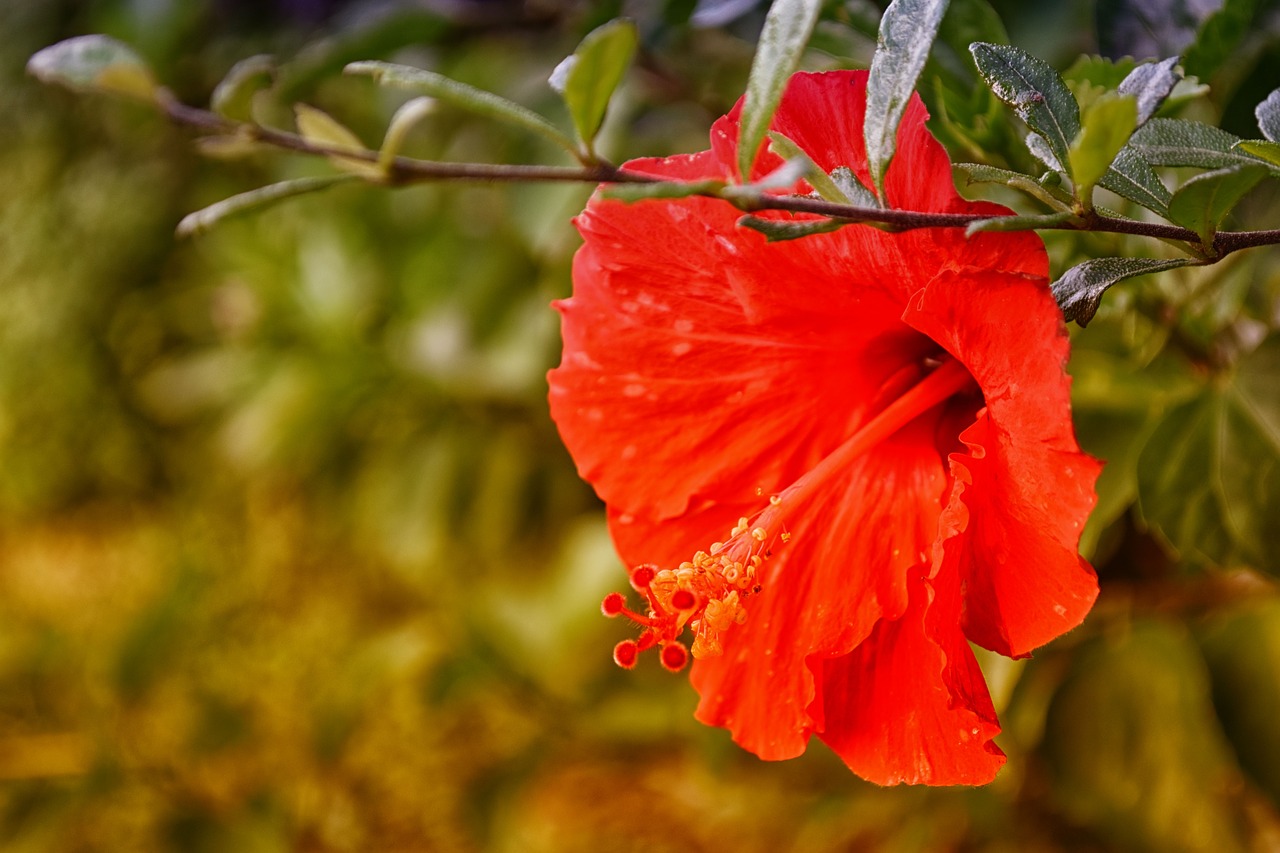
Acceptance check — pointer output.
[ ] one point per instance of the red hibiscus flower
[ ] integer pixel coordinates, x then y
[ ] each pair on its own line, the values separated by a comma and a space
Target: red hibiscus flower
836, 461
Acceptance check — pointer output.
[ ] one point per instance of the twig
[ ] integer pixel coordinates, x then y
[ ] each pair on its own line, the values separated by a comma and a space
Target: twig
406, 170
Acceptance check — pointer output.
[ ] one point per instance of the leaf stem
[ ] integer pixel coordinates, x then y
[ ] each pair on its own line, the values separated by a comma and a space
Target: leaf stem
402, 171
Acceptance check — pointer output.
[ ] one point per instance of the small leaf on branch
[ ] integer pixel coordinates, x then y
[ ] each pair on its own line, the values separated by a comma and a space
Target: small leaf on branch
787, 28
1263, 149
233, 97
818, 179
1177, 142
776, 230
1040, 149
633, 192
1079, 290
587, 78
410, 113
782, 178
1151, 83
467, 97
95, 63
1105, 127
1133, 178
1204, 201
202, 220
907, 31
1023, 222
1034, 90
979, 173
1268, 114
852, 188
319, 127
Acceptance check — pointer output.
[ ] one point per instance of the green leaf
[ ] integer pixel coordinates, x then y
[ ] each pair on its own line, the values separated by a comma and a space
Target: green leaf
782, 178
1133, 178
1209, 477
1151, 83
1176, 142
233, 97
818, 179
202, 220
1204, 201
907, 31
410, 113
1034, 90
317, 126
787, 28
1268, 115
1022, 222
467, 97
1040, 149
775, 230
1080, 289
95, 63
1262, 149
978, 173
633, 192
1105, 127
853, 189
587, 78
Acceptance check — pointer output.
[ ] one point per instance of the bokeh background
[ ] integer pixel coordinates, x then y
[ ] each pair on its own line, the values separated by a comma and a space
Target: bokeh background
291, 558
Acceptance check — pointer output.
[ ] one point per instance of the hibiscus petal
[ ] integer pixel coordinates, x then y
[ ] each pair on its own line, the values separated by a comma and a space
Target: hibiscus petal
700, 363
688, 338
910, 704
1023, 490
845, 568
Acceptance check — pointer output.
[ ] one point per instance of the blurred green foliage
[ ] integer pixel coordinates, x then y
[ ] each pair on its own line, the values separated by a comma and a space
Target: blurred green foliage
293, 559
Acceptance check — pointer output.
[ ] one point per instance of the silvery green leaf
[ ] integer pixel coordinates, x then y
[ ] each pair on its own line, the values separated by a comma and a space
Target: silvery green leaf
1177, 142
786, 31
1041, 150
907, 31
587, 79
852, 188
202, 220
94, 63
1080, 289
1021, 222
1151, 83
789, 229
1268, 114
1133, 178
1034, 90
460, 94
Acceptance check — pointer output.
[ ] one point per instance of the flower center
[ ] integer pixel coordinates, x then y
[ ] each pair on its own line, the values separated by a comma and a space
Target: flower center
708, 594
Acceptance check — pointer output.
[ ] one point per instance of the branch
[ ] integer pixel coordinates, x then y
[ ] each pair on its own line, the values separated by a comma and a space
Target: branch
403, 171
